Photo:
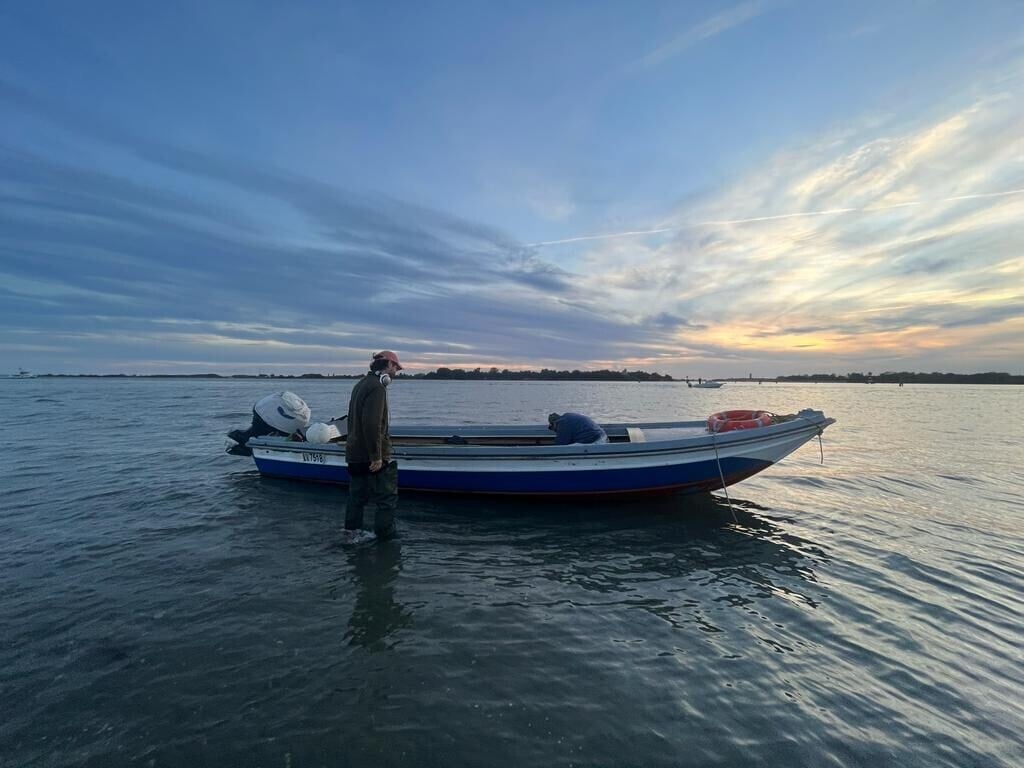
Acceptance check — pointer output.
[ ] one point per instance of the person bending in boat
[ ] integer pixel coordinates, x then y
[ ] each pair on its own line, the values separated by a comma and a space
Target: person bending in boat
572, 428
373, 476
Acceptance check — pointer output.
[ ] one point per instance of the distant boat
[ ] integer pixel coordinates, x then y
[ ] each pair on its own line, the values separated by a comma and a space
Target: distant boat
23, 374
712, 384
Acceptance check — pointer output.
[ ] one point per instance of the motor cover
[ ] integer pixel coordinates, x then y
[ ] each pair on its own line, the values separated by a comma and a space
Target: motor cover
284, 411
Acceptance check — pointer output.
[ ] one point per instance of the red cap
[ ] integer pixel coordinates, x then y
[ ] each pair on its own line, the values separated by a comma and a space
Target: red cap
387, 354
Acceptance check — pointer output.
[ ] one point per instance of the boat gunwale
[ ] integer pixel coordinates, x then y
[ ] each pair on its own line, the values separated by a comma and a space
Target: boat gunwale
590, 451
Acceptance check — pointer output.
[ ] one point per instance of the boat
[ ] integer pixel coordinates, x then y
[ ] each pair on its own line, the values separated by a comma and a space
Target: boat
524, 461
710, 384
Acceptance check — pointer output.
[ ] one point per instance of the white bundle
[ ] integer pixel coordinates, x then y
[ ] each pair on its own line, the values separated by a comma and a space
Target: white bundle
318, 432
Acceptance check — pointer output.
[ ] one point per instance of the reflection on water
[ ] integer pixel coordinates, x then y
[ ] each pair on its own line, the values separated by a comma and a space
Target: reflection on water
376, 614
665, 555
163, 605
676, 558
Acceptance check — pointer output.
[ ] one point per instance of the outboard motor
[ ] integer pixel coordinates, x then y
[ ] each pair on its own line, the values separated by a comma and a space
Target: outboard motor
284, 413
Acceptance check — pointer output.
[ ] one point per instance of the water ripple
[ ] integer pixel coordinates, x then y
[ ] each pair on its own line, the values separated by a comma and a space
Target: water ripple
163, 605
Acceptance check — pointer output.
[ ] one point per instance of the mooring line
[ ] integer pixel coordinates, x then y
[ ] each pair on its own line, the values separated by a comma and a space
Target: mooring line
714, 444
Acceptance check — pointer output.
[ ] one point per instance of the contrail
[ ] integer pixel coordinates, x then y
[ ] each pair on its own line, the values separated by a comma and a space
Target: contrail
778, 217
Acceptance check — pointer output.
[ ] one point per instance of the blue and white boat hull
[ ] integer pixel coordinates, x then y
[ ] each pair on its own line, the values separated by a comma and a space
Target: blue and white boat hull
648, 458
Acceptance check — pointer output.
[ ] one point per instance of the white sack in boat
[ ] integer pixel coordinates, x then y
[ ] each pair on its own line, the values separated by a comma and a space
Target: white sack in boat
318, 432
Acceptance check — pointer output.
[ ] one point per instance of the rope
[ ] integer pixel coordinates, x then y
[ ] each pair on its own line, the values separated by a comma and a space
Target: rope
714, 443
821, 447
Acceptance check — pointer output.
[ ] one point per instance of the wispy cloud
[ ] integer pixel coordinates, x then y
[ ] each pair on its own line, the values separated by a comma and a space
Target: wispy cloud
893, 241
705, 30
775, 217
864, 30
888, 241
134, 267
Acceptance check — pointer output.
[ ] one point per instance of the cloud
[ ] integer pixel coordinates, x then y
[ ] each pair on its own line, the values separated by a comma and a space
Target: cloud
705, 30
134, 266
886, 239
671, 322
550, 201
864, 30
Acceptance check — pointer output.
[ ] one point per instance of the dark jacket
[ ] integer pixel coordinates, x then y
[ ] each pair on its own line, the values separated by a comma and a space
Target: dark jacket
368, 418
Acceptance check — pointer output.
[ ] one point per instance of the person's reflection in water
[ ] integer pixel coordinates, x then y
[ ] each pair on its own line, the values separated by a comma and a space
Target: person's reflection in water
376, 614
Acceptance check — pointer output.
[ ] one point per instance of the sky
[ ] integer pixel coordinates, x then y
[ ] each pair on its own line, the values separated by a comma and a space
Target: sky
700, 189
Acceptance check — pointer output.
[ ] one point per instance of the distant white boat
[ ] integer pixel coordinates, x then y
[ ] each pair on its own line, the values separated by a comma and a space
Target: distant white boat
712, 384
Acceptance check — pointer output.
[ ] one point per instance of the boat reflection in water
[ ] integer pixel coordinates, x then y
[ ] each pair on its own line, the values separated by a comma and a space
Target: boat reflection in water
691, 561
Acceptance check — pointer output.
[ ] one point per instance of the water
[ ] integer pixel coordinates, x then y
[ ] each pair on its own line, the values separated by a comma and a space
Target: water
161, 605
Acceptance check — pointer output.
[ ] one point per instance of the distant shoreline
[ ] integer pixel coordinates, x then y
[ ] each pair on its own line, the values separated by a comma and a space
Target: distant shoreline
570, 376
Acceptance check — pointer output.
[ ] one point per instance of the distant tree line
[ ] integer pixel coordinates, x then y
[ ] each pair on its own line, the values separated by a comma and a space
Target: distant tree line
910, 377
197, 376
545, 374
458, 374
132, 376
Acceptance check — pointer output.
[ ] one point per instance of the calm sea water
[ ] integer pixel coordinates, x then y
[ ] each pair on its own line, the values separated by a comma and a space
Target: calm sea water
161, 605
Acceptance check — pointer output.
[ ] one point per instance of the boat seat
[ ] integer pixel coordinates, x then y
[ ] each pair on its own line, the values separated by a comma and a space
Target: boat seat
636, 435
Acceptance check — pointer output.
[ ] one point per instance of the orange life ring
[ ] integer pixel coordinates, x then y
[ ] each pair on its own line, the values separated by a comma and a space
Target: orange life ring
727, 421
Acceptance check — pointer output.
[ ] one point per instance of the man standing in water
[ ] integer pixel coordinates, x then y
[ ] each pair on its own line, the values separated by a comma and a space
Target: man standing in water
373, 476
